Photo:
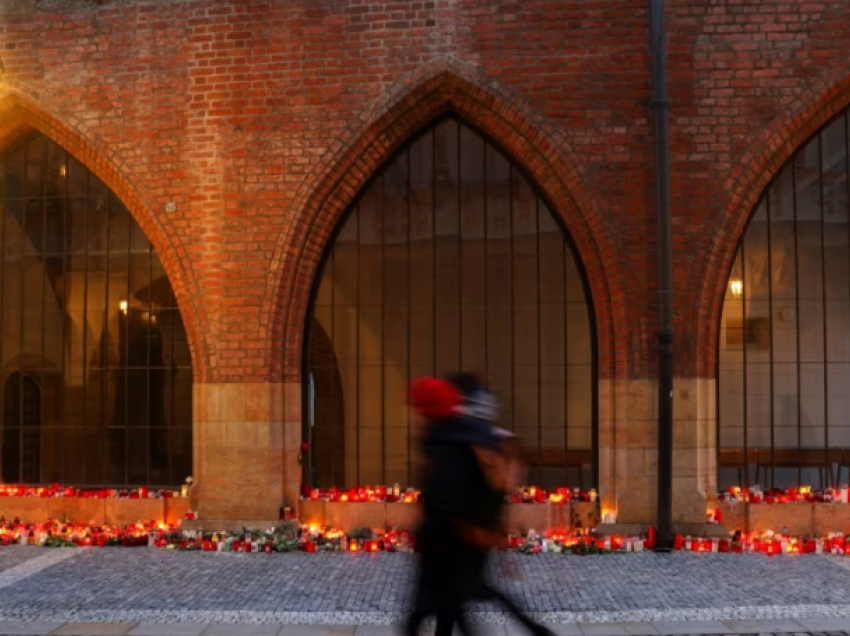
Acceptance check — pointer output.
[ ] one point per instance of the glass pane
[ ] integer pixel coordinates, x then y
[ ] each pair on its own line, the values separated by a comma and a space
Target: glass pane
76, 313
449, 261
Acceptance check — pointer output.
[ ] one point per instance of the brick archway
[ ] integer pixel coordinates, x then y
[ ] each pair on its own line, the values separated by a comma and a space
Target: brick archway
19, 116
744, 187
349, 164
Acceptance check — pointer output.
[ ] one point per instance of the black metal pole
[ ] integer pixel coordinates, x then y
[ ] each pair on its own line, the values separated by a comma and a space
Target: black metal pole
660, 129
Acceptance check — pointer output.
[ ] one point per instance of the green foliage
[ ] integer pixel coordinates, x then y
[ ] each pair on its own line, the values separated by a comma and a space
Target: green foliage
360, 533
58, 542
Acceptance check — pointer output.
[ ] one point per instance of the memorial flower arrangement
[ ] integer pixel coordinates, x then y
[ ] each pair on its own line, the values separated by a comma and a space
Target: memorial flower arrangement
292, 536
800, 494
395, 494
57, 490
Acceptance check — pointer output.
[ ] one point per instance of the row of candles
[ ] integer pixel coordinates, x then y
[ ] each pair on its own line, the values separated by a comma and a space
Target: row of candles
394, 494
802, 494
313, 539
57, 490
768, 543
138, 534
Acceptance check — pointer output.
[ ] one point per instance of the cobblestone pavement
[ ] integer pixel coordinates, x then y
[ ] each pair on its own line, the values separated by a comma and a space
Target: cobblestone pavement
157, 586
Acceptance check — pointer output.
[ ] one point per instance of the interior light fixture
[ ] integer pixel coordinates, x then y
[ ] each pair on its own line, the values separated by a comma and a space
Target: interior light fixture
736, 287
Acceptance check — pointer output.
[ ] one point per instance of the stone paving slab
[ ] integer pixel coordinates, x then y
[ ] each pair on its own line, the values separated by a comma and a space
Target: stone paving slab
190, 594
94, 629
584, 629
142, 580
825, 624
780, 625
13, 556
28, 628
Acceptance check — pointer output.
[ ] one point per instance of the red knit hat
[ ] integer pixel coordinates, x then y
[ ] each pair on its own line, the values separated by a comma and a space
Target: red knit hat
433, 398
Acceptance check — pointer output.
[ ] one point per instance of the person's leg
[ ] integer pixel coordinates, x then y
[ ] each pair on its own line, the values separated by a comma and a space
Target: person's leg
414, 622
491, 593
446, 623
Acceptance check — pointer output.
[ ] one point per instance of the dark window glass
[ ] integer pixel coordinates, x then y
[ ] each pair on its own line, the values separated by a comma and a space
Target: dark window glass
97, 375
784, 350
449, 260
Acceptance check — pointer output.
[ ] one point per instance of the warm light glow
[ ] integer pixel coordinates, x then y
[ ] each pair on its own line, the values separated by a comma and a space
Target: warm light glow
63, 171
123, 306
736, 287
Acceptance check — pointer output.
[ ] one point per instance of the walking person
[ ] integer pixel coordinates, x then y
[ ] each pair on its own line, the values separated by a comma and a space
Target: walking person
512, 465
458, 448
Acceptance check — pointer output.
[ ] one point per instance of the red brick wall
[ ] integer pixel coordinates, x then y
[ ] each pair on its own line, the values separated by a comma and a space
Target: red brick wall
260, 120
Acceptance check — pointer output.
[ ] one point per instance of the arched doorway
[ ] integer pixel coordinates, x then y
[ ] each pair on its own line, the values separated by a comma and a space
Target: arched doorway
90, 322
450, 260
784, 338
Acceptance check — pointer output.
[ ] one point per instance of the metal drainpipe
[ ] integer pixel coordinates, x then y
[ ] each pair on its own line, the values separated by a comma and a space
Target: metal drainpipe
660, 129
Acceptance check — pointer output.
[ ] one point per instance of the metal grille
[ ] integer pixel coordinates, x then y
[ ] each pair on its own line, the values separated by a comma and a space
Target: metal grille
449, 260
89, 320
784, 346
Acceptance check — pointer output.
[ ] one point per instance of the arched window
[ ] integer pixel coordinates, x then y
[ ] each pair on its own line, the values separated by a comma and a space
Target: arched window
89, 324
784, 350
449, 260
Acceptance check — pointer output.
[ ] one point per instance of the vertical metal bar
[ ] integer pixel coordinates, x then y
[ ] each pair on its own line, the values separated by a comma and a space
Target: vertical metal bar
434, 248
459, 211
149, 424
21, 277
381, 183
408, 196
5, 387
797, 323
660, 111
745, 335
84, 326
334, 476
847, 210
486, 242
104, 380
357, 355
565, 256
126, 354
770, 326
539, 325
827, 463
513, 306
63, 381
41, 386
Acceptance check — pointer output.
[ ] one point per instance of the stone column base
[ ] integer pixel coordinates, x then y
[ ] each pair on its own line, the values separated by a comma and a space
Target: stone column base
246, 445
228, 525
701, 530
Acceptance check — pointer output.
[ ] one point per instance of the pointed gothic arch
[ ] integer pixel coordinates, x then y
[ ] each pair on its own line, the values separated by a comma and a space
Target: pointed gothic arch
442, 88
449, 259
743, 189
21, 116
783, 328
89, 317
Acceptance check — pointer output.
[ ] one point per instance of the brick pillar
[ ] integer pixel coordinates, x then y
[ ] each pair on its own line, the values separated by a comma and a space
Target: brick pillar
246, 442
628, 449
